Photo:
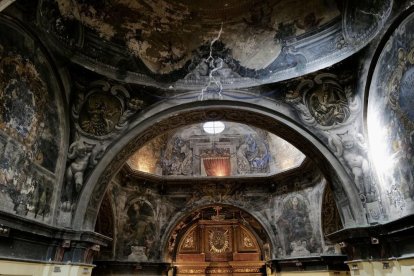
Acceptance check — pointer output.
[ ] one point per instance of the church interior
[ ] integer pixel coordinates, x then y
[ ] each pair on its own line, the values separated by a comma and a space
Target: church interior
206, 138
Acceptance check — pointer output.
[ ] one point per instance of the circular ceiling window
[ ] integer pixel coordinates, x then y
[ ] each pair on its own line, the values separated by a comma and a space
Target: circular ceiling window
214, 127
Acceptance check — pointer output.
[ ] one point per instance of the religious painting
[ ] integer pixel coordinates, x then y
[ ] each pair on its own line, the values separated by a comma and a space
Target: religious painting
391, 121
31, 127
170, 46
238, 150
296, 226
140, 231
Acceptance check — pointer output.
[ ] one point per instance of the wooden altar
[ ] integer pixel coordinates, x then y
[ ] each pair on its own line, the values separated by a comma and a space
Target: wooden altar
219, 247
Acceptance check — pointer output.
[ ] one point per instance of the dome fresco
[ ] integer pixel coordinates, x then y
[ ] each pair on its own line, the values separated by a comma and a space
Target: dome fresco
198, 137
247, 150
181, 44
164, 34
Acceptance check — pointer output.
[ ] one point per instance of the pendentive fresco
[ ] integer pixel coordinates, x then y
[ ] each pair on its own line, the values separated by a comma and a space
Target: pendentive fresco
30, 132
391, 120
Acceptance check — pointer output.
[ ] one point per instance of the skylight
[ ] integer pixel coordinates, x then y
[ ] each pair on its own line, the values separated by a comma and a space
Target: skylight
214, 127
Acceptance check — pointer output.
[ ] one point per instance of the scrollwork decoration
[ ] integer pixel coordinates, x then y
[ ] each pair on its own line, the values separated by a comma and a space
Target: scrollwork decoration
323, 102
100, 115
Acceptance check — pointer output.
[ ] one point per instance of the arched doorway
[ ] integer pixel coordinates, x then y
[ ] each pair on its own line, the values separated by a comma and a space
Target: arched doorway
218, 240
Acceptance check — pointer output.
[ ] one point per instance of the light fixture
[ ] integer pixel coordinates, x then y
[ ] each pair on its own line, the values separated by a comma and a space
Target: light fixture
213, 127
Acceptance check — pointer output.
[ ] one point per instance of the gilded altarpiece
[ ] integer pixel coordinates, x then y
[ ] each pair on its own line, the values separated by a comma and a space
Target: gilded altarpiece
219, 247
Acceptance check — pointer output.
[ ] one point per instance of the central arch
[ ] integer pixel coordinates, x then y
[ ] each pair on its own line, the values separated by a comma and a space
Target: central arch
263, 113
189, 242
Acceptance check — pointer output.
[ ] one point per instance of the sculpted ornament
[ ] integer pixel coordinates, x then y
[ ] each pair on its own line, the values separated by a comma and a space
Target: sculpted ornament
218, 240
100, 116
324, 102
352, 148
137, 254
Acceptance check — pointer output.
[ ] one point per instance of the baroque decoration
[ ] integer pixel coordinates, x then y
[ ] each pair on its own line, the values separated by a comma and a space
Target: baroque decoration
180, 120
328, 104
218, 240
101, 114
171, 55
146, 214
391, 120
238, 150
30, 135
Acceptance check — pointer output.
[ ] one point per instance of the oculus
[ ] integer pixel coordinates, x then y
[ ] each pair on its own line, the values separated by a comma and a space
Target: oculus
214, 127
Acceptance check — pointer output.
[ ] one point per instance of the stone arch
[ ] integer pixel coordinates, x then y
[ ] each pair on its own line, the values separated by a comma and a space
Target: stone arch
262, 114
186, 213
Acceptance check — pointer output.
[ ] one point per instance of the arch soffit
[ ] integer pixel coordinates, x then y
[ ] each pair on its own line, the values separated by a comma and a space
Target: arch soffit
263, 113
183, 215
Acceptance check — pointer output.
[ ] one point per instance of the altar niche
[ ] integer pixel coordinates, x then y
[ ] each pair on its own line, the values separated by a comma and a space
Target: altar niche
221, 243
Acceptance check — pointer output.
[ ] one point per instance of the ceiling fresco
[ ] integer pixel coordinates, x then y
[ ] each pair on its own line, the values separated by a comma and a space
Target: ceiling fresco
184, 45
390, 120
190, 150
163, 34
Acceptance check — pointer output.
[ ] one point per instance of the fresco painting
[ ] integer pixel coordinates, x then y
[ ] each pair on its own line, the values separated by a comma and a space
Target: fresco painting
391, 120
29, 130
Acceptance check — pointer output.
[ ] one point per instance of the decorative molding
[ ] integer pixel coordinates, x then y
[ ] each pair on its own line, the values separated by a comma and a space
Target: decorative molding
100, 114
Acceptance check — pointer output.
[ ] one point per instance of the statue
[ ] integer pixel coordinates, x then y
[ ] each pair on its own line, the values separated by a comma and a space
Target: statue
357, 163
82, 155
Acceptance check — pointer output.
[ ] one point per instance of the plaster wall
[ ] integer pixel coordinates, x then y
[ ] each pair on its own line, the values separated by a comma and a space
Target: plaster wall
15, 268
401, 267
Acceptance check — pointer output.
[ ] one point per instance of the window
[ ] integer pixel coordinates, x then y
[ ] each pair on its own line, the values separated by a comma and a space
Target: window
214, 127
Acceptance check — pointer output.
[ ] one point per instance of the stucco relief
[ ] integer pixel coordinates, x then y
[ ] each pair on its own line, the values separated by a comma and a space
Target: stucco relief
327, 103
100, 114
